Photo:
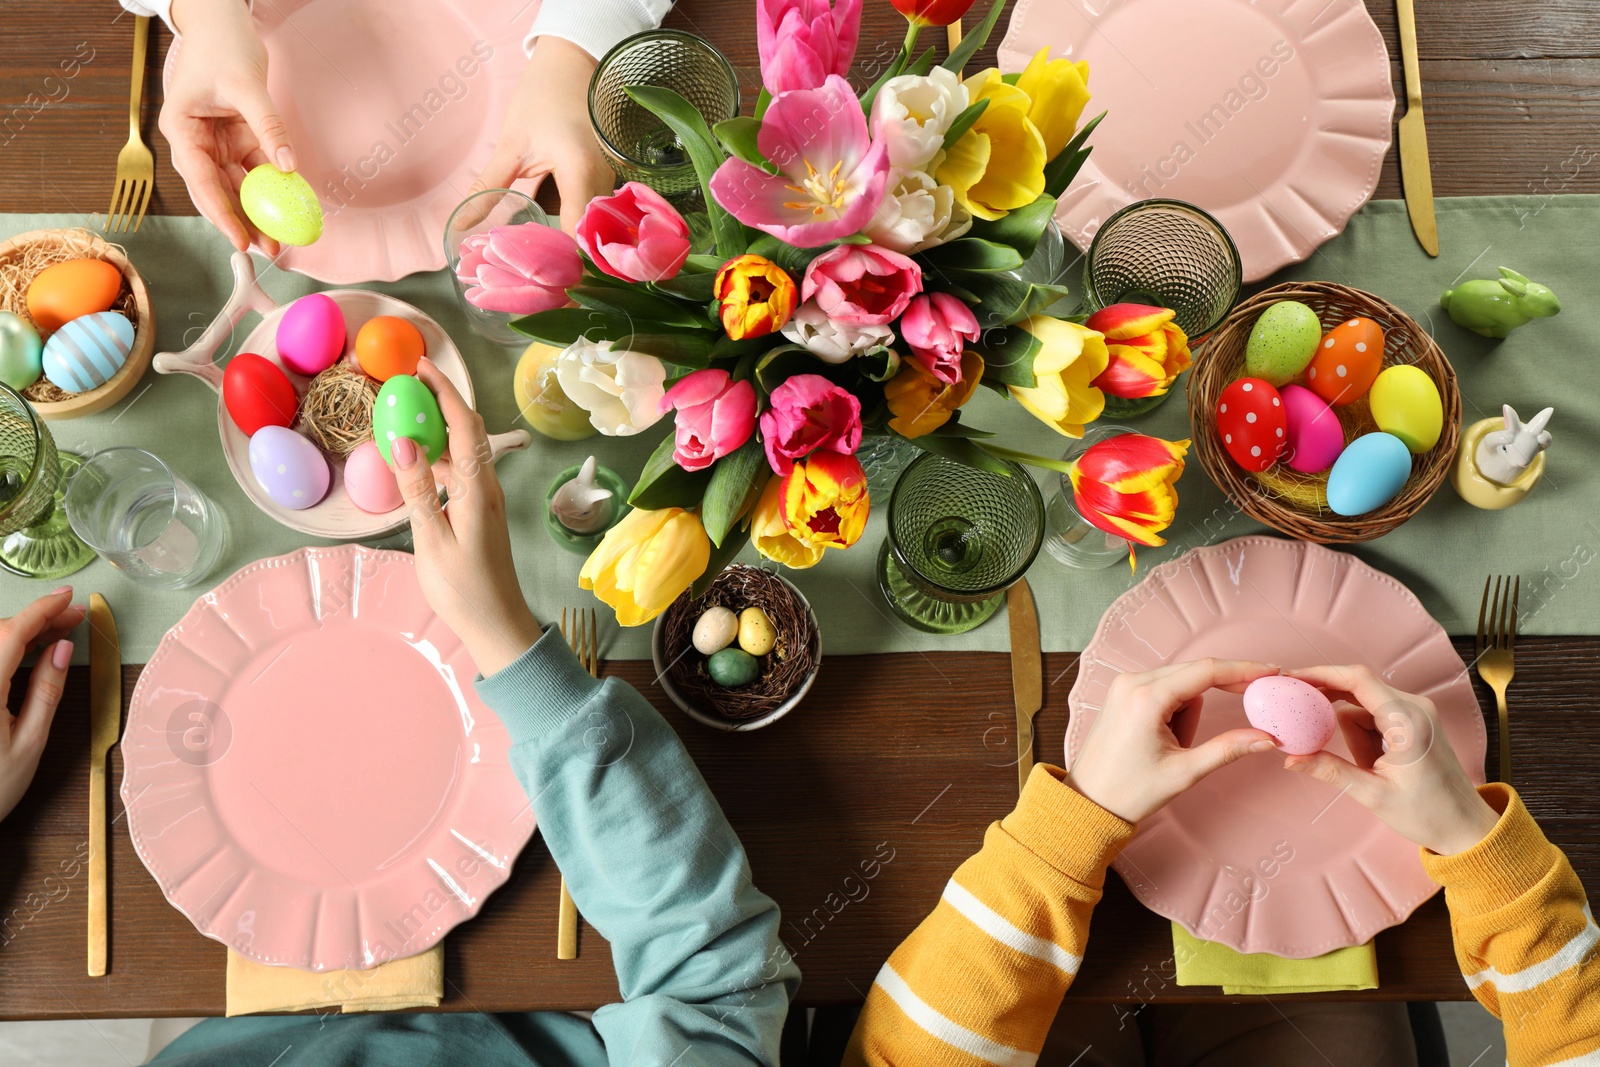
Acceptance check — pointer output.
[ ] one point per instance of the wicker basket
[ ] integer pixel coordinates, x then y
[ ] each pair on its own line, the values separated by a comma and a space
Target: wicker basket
53, 246
1293, 503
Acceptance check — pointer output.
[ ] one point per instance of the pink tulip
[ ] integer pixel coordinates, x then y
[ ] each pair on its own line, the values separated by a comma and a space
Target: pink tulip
937, 328
803, 41
520, 270
634, 234
831, 176
862, 285
715, 417
807, 413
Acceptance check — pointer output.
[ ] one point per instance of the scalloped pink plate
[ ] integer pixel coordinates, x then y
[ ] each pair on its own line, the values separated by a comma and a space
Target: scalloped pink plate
1257, 857
393, 107
310, 777
1273, 115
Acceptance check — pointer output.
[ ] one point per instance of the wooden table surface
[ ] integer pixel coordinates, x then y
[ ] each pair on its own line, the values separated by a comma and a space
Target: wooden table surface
861, 774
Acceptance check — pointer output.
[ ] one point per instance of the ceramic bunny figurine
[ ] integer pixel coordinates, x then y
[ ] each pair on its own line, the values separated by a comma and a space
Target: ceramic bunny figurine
1495, 308
1503, 455
584, 506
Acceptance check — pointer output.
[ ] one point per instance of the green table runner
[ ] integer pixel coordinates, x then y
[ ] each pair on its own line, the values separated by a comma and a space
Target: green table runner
1442, 554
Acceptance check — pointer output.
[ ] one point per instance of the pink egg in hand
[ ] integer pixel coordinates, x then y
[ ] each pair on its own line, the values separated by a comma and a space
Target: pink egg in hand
1295, 713
311, 335
369, 482
1315, 436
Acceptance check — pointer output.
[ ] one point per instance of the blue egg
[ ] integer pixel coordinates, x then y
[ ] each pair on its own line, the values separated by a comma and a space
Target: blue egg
87, 351
1368, 474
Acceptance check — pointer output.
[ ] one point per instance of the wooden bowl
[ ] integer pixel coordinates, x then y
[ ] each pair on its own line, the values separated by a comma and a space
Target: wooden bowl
133, 301
1294, 503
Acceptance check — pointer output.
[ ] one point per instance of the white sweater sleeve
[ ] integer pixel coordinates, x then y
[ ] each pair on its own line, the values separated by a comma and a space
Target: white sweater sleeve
593, 25
156, 9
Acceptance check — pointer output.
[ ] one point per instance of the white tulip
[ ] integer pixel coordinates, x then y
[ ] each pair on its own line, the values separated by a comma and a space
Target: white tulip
917, 213
830, 341
913, 112
621, 391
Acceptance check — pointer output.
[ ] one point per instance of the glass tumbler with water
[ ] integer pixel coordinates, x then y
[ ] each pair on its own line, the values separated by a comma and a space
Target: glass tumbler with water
143, 519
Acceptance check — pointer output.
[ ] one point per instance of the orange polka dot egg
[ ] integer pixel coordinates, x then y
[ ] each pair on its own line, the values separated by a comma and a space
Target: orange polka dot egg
1347, 362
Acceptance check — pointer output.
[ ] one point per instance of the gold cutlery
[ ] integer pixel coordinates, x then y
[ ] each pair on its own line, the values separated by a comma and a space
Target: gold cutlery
1497, 642
1027, 672
1414, 173
105, 725
584, 636
136, 167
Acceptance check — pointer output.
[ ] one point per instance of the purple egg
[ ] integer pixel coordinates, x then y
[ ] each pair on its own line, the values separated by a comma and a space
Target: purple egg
1315, 436
290, 469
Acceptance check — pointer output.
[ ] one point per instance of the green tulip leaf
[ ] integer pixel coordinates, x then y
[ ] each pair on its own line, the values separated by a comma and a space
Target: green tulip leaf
1002, 299
562, 326
794, 261
736, 482
1060, 171
739, 136
878, 365
960, 450
1008, 353
664, 484
1019, 228
963, 122
971, 42
971, 253
644, 307
699, 286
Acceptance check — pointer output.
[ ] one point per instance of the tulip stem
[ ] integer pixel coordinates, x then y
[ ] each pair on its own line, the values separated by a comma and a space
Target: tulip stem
913, 31
1000, 452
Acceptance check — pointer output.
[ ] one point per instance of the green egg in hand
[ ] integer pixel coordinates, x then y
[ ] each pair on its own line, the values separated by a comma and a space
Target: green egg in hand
281, 205
405, 408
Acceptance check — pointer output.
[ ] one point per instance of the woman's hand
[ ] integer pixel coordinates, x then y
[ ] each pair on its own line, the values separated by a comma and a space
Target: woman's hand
44, 624
1136, 757
547, 131
463, 548
1404, 769
217, 115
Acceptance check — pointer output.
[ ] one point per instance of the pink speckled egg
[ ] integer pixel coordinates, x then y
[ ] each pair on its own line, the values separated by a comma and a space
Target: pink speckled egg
1295, 713
311, 335
1315, 436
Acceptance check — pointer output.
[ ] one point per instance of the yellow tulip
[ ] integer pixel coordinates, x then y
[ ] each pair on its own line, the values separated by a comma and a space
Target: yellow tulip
645, 561
921, 403
770, 533
1057, 90
998, 164
825, 500
1069, 358
755, 297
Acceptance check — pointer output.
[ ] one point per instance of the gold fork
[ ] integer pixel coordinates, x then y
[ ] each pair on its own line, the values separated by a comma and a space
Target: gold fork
1497, 643
584, 636
136, 167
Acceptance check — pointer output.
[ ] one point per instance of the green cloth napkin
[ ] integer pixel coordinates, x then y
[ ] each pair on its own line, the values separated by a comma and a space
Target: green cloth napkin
1208, 963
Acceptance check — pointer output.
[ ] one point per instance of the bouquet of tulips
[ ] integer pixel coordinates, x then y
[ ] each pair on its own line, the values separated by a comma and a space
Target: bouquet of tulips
867, 278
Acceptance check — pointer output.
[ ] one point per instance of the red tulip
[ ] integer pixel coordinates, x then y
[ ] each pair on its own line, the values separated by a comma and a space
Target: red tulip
932, 12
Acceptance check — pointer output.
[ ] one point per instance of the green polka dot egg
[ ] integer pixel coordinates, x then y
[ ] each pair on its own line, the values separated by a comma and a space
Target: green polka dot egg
405, 408
281, 205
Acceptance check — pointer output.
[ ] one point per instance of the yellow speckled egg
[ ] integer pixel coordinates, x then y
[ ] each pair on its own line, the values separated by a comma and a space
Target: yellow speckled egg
1406, 403
756, 632
1348, 359
281, 204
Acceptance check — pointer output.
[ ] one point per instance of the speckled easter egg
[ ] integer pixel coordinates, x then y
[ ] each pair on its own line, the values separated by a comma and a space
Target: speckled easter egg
1251, 424
1315, 436
1368, 474
1406, 403
1282, 342
70, 290
1295, 713
1347, 361
405, 408
757, 635
21, 352
311, 335
87, 351
714, 630
290, 469
733, 667
281, 204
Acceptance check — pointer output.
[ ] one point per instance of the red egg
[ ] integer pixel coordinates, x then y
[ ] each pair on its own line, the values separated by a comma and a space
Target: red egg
256, 393
1348, 360
1250, 421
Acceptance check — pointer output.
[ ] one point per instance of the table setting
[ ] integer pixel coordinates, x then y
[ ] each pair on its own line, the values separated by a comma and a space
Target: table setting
738, 420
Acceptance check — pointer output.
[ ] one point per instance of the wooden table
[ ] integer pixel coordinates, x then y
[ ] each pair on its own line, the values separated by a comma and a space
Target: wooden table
891, 762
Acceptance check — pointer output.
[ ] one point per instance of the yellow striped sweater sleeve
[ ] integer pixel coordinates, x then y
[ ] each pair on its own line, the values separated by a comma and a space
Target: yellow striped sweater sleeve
1525, 938
980, 980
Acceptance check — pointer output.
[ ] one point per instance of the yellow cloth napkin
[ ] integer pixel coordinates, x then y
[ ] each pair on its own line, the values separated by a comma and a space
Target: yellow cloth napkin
1208, 963
414, 982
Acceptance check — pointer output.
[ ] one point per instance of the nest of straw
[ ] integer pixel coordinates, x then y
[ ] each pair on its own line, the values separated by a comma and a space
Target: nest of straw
19, 266
793, 658
336, 412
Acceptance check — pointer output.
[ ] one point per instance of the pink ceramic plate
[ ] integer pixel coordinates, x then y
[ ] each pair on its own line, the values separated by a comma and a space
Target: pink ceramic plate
1273, 115
393, 107
1256, 857
310, 776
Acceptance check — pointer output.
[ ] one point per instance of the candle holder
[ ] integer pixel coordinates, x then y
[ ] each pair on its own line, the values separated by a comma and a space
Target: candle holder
558, 513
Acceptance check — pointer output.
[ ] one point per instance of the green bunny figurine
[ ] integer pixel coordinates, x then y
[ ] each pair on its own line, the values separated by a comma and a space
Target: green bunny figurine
1495, 308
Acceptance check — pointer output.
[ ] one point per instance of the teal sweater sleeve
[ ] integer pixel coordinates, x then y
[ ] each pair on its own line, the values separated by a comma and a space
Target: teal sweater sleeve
652, 864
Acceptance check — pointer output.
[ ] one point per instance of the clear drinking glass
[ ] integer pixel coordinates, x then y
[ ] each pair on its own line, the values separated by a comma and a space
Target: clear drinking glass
1165, 253
958, 538
1069, 537
639, 146
479, 213
35, 539
143, 519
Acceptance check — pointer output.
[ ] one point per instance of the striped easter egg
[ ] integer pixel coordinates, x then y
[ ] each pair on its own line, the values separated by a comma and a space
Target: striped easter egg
88, 350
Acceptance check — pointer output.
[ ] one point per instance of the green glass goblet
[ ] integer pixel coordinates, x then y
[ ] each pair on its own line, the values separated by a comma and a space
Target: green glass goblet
1164, 253
958, 538
36, 540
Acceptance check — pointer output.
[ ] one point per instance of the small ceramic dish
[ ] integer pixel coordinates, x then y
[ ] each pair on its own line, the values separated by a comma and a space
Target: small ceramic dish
133, 301
674, 667
336, 515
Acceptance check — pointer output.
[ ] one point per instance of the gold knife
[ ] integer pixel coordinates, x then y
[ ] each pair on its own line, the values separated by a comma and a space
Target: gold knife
105, 724
1027, 672
1414, 172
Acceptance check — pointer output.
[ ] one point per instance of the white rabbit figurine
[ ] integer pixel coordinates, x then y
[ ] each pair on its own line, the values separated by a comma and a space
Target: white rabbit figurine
1503, 455
584, 506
